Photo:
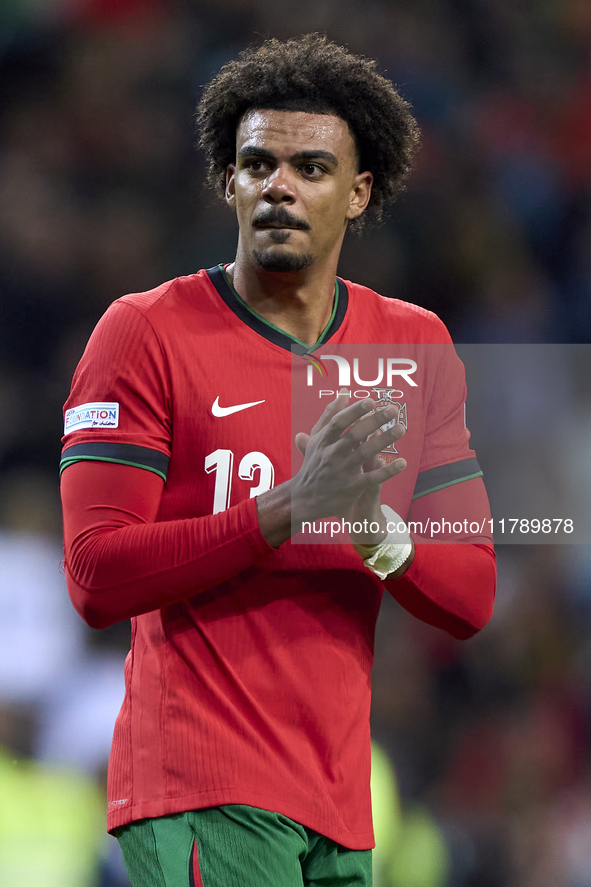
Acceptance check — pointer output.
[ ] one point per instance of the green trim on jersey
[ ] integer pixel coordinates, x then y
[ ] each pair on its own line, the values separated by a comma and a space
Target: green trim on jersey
120, 454
443, 476
277, 328
451, 483
65, 463
219, 279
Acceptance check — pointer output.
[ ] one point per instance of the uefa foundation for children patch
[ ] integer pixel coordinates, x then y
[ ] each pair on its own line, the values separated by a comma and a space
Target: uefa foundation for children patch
91, 415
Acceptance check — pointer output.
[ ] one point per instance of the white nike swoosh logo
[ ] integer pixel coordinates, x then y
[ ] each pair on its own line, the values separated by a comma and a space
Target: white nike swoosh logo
219, 411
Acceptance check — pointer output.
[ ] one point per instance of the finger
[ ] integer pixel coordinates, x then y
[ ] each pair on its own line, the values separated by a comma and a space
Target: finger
335, 406
348, 416
380, 421
379, 475
374, 461
301, 441
370, 464
372, 446
369, 444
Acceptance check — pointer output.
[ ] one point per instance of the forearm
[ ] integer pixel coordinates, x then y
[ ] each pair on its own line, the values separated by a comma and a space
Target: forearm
120, 563
449, 586
274, 513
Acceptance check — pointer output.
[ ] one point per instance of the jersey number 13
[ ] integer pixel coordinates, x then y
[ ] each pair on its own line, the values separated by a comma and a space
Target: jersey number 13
222, 462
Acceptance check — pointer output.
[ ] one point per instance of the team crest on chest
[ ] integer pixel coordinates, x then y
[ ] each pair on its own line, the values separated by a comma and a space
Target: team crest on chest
387, 397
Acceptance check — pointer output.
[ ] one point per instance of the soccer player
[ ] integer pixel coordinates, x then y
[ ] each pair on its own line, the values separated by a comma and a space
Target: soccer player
241, 755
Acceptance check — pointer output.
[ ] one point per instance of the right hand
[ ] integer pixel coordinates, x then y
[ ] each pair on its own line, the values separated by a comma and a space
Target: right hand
341, 459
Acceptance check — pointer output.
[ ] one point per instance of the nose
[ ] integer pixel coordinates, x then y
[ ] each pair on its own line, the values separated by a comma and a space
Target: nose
279, 186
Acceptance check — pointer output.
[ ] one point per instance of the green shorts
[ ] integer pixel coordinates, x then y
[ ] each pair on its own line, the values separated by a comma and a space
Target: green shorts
237, 846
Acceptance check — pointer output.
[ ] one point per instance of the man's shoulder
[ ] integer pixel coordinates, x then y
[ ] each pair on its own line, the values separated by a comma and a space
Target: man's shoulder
385, 310
175, 293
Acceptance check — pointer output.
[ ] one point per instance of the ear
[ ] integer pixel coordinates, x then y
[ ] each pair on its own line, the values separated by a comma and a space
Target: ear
360, 194
230, 189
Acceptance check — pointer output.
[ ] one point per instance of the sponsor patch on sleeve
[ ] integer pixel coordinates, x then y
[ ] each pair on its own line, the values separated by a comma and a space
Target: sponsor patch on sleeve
91, 415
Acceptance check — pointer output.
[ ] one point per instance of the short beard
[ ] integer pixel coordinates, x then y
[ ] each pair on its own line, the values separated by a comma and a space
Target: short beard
282, 262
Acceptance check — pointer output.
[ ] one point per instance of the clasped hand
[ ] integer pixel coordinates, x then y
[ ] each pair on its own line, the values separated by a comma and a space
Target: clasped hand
342, 472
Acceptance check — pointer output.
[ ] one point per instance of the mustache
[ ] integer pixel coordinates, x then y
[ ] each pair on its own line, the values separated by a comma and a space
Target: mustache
278, 215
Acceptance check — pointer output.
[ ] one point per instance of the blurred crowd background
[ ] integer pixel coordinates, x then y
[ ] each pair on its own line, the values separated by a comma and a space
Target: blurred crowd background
482, 770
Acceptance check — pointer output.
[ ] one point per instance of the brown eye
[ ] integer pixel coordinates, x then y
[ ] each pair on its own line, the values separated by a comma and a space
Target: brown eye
312, 169
256, 165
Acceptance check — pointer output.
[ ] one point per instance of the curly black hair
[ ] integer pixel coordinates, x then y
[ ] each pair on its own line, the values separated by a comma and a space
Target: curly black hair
309, 73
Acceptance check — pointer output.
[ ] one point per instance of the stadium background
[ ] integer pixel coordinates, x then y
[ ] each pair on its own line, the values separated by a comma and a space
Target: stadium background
101, 193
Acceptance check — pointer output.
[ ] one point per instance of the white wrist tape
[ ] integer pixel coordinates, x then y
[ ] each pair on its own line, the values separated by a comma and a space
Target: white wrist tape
389, 555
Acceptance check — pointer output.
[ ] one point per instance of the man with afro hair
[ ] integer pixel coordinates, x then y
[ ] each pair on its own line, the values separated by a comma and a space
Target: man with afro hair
241, 755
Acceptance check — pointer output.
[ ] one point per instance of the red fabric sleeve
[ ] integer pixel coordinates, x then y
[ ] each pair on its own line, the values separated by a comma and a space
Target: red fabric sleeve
451, 586
119, 563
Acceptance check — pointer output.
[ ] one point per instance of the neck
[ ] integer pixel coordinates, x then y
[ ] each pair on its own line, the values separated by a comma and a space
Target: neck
300, 304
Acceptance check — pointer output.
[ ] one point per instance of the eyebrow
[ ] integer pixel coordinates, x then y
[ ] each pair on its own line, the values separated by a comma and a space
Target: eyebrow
255, 151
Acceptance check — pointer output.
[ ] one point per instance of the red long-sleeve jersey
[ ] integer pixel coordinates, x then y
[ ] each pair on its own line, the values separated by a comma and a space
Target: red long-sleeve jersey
248, 678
